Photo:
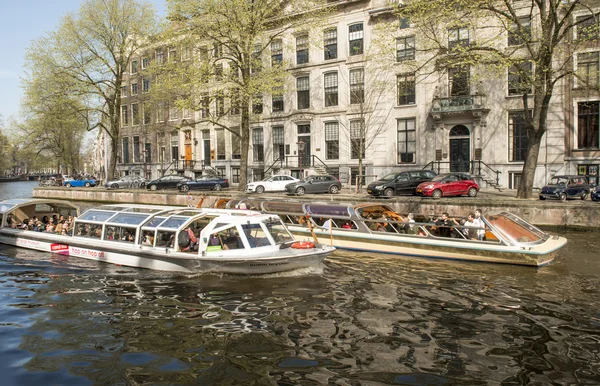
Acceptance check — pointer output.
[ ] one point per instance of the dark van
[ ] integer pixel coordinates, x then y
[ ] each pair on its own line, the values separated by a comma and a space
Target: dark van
400, 183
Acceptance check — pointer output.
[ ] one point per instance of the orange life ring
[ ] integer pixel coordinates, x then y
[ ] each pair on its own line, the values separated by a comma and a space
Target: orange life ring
303, 245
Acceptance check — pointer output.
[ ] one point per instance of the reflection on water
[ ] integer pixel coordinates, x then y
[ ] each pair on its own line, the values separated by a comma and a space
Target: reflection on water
363, 320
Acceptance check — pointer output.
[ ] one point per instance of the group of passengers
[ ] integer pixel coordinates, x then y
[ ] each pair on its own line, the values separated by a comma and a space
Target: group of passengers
387, 222
89, 230
472, 228
49, 224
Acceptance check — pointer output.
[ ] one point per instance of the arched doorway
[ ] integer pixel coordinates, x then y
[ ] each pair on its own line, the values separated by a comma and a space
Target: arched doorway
460, 149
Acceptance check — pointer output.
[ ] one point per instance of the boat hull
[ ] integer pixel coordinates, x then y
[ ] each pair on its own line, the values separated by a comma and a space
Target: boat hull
165, 260
438, 248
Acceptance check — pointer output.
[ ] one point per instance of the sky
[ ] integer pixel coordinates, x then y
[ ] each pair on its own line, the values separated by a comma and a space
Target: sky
22, 21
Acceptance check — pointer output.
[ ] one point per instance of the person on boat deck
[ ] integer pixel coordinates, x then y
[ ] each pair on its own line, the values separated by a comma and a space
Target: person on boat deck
388, 226
45, 220
25, 224
478, 222
470, 222
214, 240
410, 227
445, 224
381, 227
58, 228
193, 245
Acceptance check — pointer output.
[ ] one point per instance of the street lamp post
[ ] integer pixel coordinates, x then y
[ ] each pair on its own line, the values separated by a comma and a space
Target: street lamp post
301, 144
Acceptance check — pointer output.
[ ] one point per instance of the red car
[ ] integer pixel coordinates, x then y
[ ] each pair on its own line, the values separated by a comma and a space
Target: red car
450, 184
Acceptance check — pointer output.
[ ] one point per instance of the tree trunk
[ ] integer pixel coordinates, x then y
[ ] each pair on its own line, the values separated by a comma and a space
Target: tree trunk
525, 189
244, 143
112, 156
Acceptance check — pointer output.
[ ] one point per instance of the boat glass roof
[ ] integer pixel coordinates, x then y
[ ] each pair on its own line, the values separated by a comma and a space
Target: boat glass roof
97, 215
283, 207
328, 210
154, 222
173, 222
129, 218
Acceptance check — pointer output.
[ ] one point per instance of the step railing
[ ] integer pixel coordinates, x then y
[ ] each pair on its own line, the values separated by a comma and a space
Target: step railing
476, 167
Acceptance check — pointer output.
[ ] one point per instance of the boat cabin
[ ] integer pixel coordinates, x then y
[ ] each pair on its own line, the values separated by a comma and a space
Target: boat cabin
17, 212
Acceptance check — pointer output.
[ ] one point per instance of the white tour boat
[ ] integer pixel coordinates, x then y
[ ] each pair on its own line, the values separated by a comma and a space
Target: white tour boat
506, 238
163, 238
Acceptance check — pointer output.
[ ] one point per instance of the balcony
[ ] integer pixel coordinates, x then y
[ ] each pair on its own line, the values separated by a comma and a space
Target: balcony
457, 104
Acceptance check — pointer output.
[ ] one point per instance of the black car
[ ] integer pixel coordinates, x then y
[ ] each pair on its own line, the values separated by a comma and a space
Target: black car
397, 183
204, 182
166, 182
564, 187
314, 184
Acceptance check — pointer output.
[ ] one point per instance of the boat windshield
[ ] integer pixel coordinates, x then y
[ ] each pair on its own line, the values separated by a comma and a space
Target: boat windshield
515, 229
6, 207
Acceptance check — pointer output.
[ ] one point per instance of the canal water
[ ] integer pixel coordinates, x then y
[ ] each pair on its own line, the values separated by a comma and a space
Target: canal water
360, 320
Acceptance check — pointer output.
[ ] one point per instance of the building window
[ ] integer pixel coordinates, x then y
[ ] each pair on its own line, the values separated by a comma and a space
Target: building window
161, 154
277, 99
220, 144
147, 153
173, 113
145, 85
235, 174
205, 103
219, 71
588, 114
256, 65
124, 116
136, 149
135, 114
403, 23
407, 140
330, 44
160, 57
588, 27
258, 148
587, 69
220, 105
302, 49
217, 50
174, 146
354, 176
234, 100
519, 77
517, 136
357, 138
185, 53
160, 112
355, 37
303, 129
276, 52
172, 54
357, 86
406, 89
278, 143
125, 150
123, 91
458, 37
145, 63
521, 32
134, 66
147, 114
332, 140
134, 89
458, 79
331, 89
257, 105
514, 180
405, 48
236, 145
303, 91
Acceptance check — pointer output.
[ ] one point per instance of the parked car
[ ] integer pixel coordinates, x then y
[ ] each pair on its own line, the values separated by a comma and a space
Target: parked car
127, 182
204, 182
87, 182
564, 187
315, 184
449, 184
596, 194
166, 182
275, 183
397, 183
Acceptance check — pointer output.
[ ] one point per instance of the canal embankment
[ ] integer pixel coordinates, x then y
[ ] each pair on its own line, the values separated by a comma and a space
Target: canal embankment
575, 214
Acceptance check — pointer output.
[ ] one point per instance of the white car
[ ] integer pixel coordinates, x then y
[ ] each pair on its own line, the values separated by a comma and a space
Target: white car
275, 183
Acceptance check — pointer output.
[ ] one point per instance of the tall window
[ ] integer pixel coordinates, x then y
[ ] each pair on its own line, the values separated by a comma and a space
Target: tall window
403, 23
256, 65
278, 143
125, 150
136, 149
519, 77
147, 113
160, 112
258, 148
147, 152
357, 86
134, 66
458, 37
123, 91
219, 71
405, 48
332, 140
458, 79
587, 69
160, 57
407, 140
588, 114
235, 175
521, 32
174, 146
145, 63
517, 134
145, 85
220, 105
134, 89
303, 91
331, 89
277, 99
257, 105
220, 144
357, 138
587, 27
355, 37
124, 116
236, 146
330, 43
302, 49
135, 114
276, 52
406, 89
234, 99
205, 109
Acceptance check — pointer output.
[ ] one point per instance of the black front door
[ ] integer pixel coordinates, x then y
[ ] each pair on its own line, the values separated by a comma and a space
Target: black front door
460, 155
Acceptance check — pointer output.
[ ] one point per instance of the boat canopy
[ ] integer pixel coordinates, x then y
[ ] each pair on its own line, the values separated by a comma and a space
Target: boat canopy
513, 229
21, 209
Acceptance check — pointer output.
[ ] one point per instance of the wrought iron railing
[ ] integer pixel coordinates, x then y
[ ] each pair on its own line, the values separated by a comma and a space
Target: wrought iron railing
457, 103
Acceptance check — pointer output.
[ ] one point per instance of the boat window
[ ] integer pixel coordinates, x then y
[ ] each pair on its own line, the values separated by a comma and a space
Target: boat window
96, 215
328, 210
154, 222
129, 218
165, 239
173, 222
514, 228
255, 235
88, 230
278, 231
147, 238
373, 211
43, 208
5, 207
227, 238
283, 207
116, 233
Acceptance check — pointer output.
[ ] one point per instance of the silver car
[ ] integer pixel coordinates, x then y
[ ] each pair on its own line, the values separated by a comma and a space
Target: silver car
127, 182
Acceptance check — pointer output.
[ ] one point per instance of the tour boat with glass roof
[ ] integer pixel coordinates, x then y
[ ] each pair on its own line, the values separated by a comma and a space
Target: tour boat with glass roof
162, 238
374, 227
